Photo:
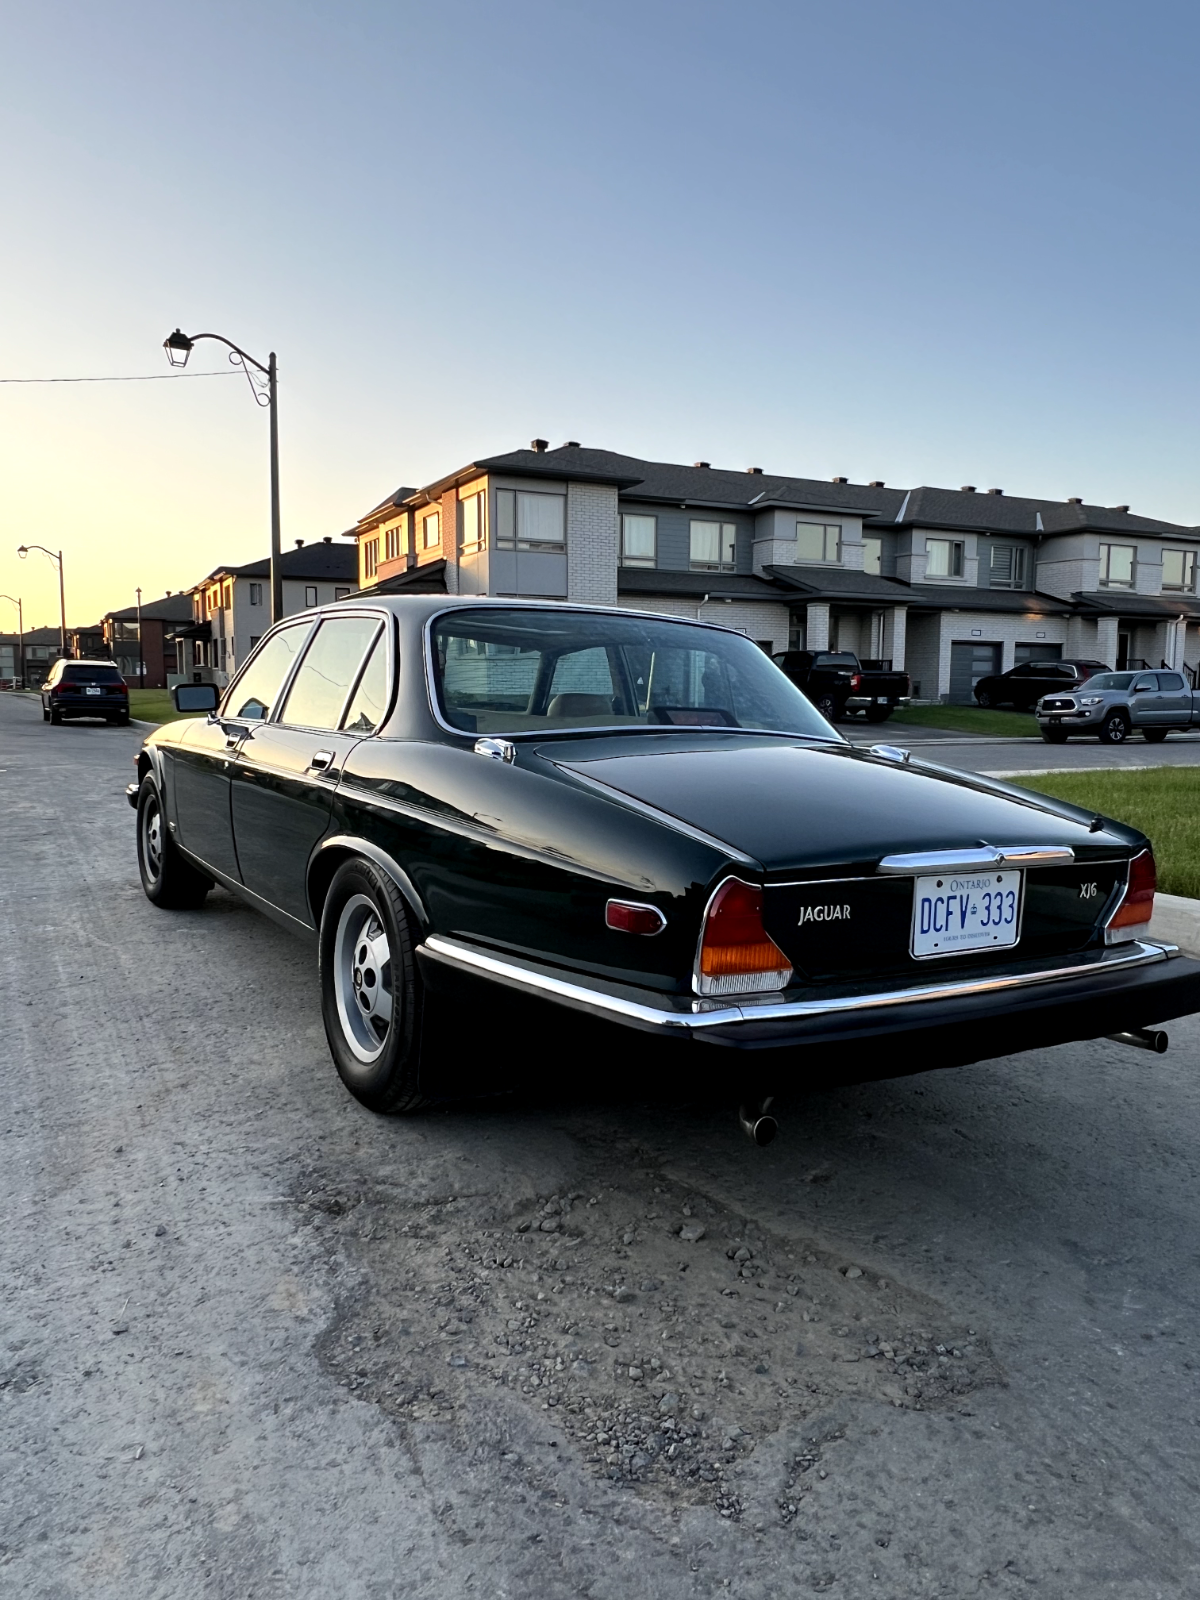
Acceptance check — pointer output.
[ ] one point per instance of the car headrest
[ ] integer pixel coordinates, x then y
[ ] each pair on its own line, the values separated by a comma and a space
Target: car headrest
580, 705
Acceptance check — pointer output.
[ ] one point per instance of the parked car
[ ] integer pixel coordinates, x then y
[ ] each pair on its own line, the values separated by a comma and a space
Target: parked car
1022, 687
1113, 705
836, 682
85, 689
640, 820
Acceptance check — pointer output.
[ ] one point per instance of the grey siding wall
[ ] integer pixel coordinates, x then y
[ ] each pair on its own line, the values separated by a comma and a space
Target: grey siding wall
674, 533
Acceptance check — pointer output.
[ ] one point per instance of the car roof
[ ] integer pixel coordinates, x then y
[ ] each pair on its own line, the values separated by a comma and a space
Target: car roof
85, 661
423, 606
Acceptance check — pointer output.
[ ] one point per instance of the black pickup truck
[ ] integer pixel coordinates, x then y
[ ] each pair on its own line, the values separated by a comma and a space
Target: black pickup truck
837, 683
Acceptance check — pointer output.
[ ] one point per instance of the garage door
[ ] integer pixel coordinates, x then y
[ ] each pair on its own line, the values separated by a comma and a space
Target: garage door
969, 662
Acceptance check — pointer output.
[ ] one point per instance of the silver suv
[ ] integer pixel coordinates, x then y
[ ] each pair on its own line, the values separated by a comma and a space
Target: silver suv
1112, 705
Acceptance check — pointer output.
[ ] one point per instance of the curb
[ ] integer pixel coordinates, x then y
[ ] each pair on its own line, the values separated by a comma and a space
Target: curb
1176, 920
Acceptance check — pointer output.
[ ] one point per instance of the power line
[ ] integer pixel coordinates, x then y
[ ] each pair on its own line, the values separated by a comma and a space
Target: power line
148, 377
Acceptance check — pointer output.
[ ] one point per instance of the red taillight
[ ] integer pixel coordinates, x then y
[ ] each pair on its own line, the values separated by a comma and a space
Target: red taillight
1136, 909
855, 680
630, 916
116, 688
737, 954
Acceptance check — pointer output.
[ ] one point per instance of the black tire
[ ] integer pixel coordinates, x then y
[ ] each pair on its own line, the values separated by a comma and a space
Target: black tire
1155, 735
1115, 728
983, 697
878, 713
366, 953
1054, 735
827, 705
169, 881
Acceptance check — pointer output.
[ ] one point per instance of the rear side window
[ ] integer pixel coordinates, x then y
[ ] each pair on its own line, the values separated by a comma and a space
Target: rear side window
85, 674
256, 691
371, 696
327, 673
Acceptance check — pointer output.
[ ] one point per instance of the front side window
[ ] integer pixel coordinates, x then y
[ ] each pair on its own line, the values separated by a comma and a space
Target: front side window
713, 546
472, 524
1116, 566
530, 521
431, 531
1170, 680
943, 558
639, 542
539, 671
873, 556
254, 694
328, 671
1179, 570
818, 541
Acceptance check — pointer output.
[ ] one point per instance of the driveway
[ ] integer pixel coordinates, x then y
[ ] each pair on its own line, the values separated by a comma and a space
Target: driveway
938, 1340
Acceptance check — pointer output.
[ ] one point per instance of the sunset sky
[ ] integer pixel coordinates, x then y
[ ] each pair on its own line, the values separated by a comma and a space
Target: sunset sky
929, 243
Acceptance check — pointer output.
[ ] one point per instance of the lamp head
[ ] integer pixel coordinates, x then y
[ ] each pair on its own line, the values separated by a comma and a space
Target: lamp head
22, 551
178, 347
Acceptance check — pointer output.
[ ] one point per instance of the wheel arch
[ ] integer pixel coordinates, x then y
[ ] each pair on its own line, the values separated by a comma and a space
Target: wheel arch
342, 847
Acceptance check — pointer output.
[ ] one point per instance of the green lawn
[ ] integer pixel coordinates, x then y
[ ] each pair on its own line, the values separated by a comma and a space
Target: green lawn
1162, 801
967, 719
152, 705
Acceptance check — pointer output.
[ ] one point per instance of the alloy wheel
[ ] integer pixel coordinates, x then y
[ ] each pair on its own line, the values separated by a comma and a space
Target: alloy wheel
362, 978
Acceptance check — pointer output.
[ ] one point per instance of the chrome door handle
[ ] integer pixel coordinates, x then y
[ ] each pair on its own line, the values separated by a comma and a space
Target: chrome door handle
321, 760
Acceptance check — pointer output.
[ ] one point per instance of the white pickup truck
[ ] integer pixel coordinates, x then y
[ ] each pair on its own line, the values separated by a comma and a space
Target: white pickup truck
1112, 705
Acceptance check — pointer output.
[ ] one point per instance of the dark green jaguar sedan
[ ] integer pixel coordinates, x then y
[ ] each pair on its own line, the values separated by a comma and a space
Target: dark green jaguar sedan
642, 820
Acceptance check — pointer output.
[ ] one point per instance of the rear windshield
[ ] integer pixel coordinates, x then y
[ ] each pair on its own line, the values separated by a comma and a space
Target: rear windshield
1111, 680
85, 674
504, 670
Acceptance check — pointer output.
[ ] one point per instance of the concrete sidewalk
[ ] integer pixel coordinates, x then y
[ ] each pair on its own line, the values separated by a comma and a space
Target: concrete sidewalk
1177, 920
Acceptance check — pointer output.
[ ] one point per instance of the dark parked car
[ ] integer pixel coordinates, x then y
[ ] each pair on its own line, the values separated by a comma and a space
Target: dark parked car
1022, 687
641, 820
85, 689
837, 682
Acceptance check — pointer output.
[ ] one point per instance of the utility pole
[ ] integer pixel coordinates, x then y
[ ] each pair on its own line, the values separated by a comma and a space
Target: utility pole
141, 653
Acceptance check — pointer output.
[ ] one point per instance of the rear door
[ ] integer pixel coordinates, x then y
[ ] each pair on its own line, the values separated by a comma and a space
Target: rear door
1175, 699
286, 772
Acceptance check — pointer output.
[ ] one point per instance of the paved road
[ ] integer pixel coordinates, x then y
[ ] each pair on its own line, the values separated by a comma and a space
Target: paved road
1008, 756
257, 1342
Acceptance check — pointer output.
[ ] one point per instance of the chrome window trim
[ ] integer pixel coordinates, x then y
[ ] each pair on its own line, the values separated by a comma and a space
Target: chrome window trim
299, 620
711, 1014
1014, 857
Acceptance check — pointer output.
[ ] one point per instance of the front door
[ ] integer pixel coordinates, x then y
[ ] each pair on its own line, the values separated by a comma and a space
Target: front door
1147, 700
201, 766
287, 771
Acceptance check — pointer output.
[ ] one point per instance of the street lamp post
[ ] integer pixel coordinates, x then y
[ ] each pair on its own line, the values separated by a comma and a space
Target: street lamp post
23, 550
20, 672
178, 346
141, 653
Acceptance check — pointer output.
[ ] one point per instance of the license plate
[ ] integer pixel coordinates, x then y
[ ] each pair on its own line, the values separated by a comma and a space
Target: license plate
91, 691
974, 911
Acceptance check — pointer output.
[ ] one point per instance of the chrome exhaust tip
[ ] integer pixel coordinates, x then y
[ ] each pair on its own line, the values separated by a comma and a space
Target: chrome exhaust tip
758, 1126
1143, 1039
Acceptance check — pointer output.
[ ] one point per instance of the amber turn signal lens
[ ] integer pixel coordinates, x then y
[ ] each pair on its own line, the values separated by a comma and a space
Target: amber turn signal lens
1137, 907
737, 954
628, 916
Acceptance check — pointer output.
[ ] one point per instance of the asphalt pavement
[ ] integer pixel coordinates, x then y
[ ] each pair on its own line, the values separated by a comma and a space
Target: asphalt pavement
938, 1340
1004, 757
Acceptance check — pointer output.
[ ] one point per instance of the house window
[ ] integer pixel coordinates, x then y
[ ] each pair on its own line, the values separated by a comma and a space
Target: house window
256, 594
873, 555
943, 558
228, 595
530, 521
391, 543
1007, 566
638, 541
341, 594
1116, 566
1179, 569
431, 531
310, 594
255, 640
472, 524
370, 558
713, 546
818, 541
